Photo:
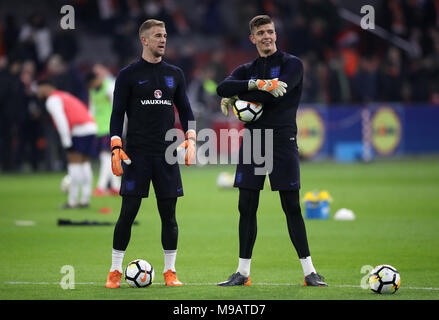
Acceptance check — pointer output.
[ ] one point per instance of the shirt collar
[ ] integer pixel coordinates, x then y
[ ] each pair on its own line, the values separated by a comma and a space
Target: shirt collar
144, 62
275, 55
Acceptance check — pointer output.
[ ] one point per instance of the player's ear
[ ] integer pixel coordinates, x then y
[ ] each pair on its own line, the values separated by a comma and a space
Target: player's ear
143, 40
252, 39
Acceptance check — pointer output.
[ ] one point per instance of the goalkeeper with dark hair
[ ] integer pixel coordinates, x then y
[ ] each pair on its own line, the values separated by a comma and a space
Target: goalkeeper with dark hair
274, 79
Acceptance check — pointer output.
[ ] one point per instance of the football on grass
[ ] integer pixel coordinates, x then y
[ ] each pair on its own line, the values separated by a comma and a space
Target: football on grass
65, 183
384, 279
247, 111
139, 273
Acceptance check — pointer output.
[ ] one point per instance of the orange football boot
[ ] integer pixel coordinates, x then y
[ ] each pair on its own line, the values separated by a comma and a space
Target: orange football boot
171, 278
113, 280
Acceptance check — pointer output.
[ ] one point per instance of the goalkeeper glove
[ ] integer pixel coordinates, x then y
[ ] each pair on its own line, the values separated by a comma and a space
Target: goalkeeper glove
274, 86
226, 102
118, 154
189, 145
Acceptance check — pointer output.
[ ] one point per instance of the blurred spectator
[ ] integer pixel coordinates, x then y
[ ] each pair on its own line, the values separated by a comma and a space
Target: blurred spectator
101, 87
66, 77
391, 76
365, 81
102, 71
431, 14
10, 34
324, 22
311, 85
66, 45
183, 57
202, 95
216, 63
297, 30
339, 89
36, 37
31, 143
160, 10
431, 65
394, 17
12, 110
124, 43
212, 22
418, 90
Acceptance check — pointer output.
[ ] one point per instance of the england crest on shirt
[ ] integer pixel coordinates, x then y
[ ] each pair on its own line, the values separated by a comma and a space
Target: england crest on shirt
275, 72
169, 81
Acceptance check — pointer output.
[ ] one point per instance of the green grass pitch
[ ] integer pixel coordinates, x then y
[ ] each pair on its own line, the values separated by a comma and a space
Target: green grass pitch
397, 222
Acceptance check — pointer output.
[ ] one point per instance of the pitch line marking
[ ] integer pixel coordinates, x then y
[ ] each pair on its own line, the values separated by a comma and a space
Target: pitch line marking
208, 284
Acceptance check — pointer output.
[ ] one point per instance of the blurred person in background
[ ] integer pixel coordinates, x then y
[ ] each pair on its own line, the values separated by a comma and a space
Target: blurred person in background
122, 41
339, 89
311, 85
66, 44
36, 39
31, 143
101, 89
365, 80
77, 129
66, 77
9, 33
391, 76
12, 111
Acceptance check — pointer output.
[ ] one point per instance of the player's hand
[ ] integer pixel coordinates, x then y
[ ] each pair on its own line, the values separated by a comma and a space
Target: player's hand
226, 102
189, 146
118, 154
274, 86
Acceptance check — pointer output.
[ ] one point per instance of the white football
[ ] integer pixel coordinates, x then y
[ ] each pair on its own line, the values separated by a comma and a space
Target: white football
139, 273
384, 279
65, 183
247, 111
225, 180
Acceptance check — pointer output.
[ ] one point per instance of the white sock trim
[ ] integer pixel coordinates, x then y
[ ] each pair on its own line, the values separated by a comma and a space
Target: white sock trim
87, 182
169, 260
244, 267
307, 266
116, 260
75, 172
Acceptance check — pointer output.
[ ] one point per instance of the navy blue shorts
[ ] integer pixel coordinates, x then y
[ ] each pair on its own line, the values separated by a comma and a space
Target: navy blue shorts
143, 170
84, 145
285, 175
102, 144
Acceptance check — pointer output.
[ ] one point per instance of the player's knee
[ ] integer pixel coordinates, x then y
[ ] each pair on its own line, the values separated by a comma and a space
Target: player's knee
248, 202
128, 212
290, 202
166, 208
169, 222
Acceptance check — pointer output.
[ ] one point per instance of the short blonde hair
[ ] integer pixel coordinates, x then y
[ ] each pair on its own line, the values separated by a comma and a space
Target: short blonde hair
148, 24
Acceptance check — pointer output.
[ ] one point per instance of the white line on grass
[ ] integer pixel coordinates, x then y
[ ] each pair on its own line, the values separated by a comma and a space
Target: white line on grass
205, 284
